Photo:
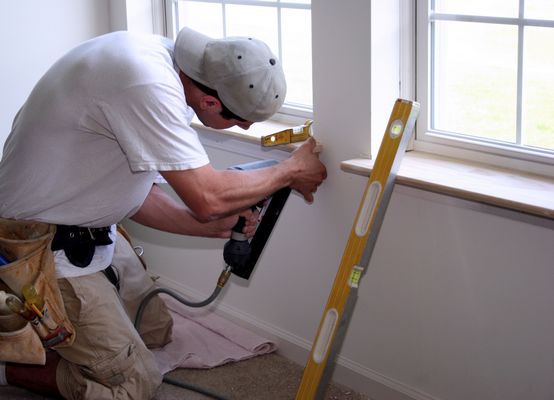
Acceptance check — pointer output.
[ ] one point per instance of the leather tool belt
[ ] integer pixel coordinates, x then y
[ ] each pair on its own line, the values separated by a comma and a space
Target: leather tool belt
79, 242
28, 330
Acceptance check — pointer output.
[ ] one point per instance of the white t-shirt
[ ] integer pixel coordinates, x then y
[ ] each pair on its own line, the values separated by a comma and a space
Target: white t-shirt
88, 143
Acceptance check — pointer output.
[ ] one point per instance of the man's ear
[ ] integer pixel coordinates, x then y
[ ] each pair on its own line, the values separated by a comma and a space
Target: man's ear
210, 104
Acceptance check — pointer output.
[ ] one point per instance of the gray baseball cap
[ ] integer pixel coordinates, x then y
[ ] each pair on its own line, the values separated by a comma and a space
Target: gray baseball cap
247, 76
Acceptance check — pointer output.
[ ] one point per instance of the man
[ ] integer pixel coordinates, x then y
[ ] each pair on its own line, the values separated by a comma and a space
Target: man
84, 152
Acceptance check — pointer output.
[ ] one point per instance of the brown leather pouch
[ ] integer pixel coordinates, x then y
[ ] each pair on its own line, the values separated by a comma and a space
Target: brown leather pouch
27, 244
19, 342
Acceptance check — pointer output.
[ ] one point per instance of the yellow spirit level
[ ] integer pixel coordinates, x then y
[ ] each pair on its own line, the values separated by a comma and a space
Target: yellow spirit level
290, 135
357, 253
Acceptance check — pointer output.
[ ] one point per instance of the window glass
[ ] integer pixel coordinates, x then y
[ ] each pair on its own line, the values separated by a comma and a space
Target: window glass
539, 9
475, 85
497, 8
297, 55
538, 81
202, 17
486, 77
260, 22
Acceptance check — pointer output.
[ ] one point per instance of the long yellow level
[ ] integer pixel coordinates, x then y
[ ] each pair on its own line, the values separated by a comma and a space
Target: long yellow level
357, 253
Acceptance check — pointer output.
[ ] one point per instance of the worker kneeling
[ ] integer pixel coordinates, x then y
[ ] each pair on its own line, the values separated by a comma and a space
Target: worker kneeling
85, 152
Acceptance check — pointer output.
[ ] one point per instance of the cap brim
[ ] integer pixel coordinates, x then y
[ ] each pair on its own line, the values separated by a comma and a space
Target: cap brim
189, 53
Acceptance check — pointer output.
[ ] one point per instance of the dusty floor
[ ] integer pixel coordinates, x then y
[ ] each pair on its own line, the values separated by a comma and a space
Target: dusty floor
268, 377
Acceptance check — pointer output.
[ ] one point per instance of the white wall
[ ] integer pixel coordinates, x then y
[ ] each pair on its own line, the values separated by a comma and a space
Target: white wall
34, 35
132, 15
457, 301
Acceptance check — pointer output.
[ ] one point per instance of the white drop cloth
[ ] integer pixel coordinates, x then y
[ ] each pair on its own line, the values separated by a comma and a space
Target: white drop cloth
202, 339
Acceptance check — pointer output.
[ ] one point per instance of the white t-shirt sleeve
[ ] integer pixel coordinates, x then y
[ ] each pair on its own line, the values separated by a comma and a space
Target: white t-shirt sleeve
151, 123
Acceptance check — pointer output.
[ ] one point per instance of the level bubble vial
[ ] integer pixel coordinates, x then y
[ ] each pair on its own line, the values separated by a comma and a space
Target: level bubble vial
396, 129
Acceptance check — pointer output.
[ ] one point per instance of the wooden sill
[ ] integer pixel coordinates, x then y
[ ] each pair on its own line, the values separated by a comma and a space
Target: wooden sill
501, 187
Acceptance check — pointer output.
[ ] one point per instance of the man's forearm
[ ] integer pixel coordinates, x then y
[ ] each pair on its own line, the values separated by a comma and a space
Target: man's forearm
160, 211
213, 194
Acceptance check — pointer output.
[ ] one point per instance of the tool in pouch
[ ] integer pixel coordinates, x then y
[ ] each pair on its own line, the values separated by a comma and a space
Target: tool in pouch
35, 302
357, 254
34, 308
289, 135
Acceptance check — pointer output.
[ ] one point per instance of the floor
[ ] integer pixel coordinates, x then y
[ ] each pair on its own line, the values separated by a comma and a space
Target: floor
267, 377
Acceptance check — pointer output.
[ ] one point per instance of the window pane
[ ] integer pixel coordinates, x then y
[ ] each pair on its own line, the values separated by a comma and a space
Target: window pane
538, 88
297, 55
475, 79
496, 8
539, 9
259, 22
202, 17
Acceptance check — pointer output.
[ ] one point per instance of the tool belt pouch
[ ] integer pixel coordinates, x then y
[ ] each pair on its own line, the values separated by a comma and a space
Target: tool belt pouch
19, 342
27, 243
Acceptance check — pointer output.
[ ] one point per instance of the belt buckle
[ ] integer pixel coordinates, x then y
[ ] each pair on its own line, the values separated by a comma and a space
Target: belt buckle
90, 233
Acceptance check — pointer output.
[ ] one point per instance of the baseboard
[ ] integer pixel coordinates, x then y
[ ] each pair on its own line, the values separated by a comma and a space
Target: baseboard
297, 349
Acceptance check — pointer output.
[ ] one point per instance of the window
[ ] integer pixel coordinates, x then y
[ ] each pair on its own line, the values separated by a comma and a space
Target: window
486, 77
284, 26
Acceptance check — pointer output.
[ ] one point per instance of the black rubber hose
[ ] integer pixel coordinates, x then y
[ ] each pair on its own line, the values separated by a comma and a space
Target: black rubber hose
186, 302
193, 388
176, 296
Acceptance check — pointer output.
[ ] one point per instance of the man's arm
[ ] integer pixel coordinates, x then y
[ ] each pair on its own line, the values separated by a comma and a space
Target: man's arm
211, 194
160, 211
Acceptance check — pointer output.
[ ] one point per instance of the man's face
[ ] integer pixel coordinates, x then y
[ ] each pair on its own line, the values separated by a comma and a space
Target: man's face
216, 121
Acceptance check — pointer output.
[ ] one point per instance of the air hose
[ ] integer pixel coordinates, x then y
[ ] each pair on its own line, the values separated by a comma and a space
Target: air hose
222, 280
239, 248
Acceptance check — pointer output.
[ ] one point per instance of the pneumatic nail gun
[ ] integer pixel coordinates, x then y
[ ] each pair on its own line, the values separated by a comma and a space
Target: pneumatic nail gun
241, 254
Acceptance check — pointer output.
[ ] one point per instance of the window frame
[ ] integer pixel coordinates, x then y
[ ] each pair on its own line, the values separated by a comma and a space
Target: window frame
171, 24
474, 149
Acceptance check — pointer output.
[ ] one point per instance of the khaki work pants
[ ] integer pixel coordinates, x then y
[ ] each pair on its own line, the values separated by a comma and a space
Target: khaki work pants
109, 359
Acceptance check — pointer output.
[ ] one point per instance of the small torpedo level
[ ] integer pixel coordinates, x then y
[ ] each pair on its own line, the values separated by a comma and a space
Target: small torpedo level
357, 253
290, 135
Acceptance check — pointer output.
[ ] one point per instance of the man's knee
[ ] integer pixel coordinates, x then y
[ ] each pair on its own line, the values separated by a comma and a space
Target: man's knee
130, 373
156, 324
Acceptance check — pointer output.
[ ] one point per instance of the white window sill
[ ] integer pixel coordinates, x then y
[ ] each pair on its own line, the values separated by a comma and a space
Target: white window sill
501, 187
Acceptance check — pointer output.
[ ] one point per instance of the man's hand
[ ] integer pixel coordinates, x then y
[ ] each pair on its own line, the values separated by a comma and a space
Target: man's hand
309, 170
221, 228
